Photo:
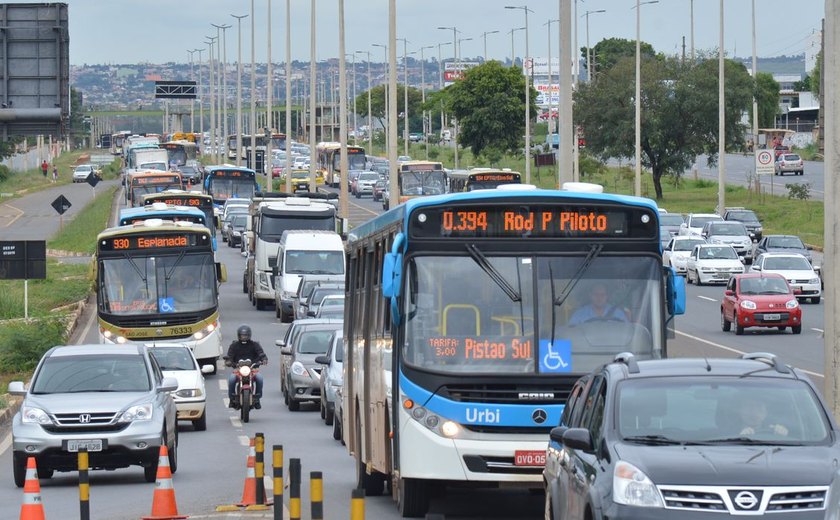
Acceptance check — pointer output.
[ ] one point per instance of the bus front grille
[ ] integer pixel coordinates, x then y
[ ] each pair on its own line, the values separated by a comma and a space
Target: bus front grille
505, 394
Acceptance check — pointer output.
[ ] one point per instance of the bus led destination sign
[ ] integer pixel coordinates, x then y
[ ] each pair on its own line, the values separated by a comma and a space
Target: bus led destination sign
533, 221
134, 242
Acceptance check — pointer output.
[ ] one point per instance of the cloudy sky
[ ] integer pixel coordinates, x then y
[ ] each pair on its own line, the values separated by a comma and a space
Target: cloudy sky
157, 31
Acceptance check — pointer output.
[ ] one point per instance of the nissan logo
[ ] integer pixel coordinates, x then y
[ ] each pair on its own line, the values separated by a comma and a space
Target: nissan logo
84, 418
746, 500
539, 416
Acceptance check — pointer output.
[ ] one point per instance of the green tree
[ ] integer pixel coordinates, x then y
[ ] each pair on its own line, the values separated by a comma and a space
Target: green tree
609, 51
767, 98
377, 105
488, 103
679, 112
816, 73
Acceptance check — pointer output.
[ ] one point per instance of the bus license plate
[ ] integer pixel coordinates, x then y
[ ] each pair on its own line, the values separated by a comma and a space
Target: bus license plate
74, 445
772, 317
529, 458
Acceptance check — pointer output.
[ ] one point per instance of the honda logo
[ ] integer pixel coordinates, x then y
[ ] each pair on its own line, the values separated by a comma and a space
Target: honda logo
84, 418
535, 396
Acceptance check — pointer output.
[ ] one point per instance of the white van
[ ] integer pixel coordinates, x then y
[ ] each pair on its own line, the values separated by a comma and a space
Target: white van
305, 252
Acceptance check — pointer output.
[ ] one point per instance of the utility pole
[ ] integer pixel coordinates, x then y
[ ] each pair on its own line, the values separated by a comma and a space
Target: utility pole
313, 88
394, 193
405, 94
721, 122
200, 102
192, 101
564, 115
252, 126
212, 102
369, 117
754, 74
269, 126
288, 93
223, 95
528, 73
426, 131
239, 90
344, 164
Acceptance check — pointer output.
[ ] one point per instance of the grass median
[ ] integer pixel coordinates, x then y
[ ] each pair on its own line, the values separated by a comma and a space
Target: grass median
23, 341
19, 183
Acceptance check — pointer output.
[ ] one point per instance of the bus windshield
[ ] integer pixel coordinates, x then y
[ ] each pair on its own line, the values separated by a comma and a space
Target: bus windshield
138, 192
465, 317
357, 161
422, 183
223, 188
157, 284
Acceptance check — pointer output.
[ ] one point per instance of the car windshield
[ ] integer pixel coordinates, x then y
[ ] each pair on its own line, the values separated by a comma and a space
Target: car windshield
460, 319
721, 410
319, 294
314, 342
730, 229
99, 373
699, 222
670, 219
317, 262
718, 253
743, 216
373, 176
173, 358
786, 263
764, 285
164, 284
333, 313
336, 300
786, 243
687, 245
239, 220
300, 175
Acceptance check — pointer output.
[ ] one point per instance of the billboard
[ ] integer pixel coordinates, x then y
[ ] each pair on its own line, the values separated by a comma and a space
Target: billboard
453, 71
547, 93
35, 91
540, 66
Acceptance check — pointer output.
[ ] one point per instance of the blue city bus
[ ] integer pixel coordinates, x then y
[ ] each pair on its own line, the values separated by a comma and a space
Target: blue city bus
469, 317
191, 199
166, 212
224, 182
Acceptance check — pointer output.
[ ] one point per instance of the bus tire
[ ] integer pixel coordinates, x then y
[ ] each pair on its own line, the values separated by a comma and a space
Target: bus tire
413, 498
261, 304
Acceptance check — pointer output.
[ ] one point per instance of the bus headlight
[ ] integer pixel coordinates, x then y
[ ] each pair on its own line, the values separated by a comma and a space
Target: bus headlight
449, 429
206, 331
441, 426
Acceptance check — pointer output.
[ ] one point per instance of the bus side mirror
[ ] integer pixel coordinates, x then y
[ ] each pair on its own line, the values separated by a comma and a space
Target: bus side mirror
221, 272
391, 275
675, 292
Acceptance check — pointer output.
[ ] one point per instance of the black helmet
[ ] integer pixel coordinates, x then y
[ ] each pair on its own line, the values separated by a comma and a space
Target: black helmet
243, 333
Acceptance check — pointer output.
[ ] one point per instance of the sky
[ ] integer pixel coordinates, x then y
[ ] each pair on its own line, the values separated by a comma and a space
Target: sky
159, 31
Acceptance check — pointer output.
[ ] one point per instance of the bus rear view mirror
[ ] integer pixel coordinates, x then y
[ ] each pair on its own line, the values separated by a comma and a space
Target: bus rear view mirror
675, 293
391, 275
221, 272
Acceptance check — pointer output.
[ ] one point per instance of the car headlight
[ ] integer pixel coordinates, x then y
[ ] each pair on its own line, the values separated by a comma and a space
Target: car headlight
299, 370
716, 241
759, 229
32, 415
189, 392
707, 270
792, 304
141, 412
814, 280
747, 304
631, 487
237, 233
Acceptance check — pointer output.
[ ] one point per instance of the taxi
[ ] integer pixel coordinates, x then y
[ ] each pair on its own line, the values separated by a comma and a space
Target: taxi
300, 180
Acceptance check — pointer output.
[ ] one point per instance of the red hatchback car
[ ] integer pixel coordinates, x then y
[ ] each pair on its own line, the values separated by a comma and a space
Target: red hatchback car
760, 300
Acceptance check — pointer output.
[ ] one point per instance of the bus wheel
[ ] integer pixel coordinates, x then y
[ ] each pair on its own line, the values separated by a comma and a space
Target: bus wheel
413, 497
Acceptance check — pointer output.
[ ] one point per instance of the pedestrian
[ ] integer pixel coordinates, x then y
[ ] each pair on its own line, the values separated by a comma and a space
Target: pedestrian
55, 173
44, 168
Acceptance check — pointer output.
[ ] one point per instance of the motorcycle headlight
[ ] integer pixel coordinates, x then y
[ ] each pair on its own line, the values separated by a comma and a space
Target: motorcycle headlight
791, 304
189, 392
747, 304
299, 370
32, 415
244, 371
631, 487
141, 412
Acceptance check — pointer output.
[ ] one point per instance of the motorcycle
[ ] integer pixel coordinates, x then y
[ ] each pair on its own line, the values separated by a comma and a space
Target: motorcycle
246, 372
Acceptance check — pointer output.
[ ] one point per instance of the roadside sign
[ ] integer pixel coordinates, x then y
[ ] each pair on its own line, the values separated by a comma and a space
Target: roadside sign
61, 204
764, 162
92, 179
101, 159
23, 260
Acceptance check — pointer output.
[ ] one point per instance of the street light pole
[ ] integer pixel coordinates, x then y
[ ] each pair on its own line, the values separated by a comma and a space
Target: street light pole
484, 35
527, 95
269, 126
588, 48
392, 100
754, 74
440, 85
721, 121
313, 88
252, 126
512, 45
200, 102
288, 92
550, 86
692, 30
638, 98
212, 101
344, 164
239, 90
405, 94
457, 71
192, 101
426, 131
369, 117
223, 96
386, 120
565, 112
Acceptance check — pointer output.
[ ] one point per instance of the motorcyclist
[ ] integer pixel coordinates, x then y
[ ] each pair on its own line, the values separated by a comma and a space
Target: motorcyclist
244, 348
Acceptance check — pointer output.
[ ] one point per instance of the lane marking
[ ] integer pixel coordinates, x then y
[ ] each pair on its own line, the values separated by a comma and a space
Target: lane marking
707, 298
234, 420
351, 203
16, 217
88, 325
736, 351
818, 330
245, 440
223, 384
6, 443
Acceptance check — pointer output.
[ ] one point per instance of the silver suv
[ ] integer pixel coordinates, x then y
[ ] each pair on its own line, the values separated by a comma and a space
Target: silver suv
731, 233
110, 399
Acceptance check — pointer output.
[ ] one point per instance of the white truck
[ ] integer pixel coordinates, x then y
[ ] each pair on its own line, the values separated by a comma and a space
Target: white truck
270, 216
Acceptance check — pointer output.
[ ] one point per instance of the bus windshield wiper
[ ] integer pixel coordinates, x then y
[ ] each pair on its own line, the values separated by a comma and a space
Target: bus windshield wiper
493, 273
594, 251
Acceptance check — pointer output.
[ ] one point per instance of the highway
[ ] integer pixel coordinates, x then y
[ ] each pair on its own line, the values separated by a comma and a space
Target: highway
212, 463
739, 169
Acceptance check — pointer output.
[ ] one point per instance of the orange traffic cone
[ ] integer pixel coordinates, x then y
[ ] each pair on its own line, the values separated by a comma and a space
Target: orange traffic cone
249, 493
32, 508
163, 502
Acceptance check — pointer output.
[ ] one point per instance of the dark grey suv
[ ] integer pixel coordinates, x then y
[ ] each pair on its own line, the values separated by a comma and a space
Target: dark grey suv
692, 438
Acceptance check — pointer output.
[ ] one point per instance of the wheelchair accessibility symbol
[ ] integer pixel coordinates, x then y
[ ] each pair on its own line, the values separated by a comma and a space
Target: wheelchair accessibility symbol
555, 357
166, 304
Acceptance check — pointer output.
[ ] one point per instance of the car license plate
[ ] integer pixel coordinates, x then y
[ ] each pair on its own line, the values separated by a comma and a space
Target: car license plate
772, 317
74, 445
528, 458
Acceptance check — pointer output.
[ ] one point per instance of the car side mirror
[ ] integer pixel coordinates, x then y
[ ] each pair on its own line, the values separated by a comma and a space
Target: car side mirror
207, 369
557, 432
169, 384
17, 388
578, 439
809, 248
322, 360
756, 268
280, 342
311, 314
286, 351
729, 292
